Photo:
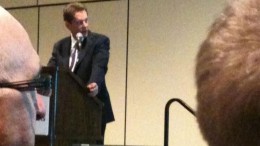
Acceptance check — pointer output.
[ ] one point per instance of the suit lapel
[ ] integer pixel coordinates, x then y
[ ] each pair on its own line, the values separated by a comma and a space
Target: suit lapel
86, 48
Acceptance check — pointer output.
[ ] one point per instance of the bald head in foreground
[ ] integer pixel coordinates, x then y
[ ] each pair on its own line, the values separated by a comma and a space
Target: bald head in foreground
18, 62
228, 77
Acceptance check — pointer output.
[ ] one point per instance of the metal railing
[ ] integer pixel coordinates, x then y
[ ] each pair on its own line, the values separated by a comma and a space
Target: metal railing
166, 116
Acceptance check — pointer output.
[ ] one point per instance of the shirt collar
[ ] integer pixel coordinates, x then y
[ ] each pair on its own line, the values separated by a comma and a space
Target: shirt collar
73, 41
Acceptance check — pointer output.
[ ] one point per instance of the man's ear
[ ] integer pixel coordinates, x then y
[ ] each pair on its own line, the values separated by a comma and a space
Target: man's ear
67, 24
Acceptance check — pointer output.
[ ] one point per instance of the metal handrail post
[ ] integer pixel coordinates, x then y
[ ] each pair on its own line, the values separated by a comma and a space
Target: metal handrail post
166, 116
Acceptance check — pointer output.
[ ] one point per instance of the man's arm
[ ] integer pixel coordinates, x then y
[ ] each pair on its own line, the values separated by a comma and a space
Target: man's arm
100, 60
99, 65
53, 59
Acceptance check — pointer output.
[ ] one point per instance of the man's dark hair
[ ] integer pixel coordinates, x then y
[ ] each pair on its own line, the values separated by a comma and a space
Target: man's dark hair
70, 10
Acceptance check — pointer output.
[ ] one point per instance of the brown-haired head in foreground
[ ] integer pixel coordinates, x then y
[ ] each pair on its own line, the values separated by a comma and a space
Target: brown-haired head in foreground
18, 62
228, 77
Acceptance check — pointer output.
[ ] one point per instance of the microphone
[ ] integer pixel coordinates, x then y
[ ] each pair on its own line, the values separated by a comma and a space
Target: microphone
80, 38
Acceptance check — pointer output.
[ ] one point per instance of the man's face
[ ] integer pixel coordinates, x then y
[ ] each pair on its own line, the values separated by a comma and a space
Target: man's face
79, 24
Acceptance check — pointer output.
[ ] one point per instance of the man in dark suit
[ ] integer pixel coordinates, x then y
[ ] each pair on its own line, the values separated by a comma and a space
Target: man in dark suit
92, 55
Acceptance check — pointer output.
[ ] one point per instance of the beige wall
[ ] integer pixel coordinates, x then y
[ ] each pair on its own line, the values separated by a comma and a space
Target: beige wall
164, 36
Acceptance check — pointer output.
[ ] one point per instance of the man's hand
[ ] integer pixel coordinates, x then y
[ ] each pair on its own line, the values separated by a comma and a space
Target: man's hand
93, 89
40, 109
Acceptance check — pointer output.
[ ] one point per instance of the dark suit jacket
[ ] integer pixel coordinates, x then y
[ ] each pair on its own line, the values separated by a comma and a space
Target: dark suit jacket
91, 67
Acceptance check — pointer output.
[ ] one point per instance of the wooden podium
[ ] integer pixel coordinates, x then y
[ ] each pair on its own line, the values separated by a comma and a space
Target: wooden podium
75, 118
